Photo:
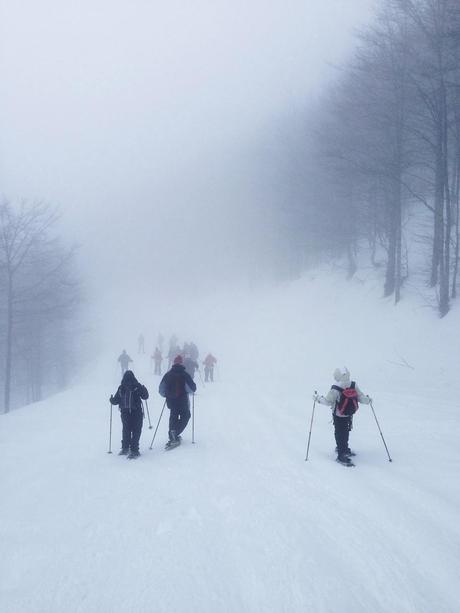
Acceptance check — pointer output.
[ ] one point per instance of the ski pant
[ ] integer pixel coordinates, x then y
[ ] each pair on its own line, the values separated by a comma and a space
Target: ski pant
179, 415
132, 428
157, 368
208, 373
342, 427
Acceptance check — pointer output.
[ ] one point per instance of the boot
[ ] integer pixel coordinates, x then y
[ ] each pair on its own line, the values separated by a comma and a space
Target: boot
343, 458
174, 440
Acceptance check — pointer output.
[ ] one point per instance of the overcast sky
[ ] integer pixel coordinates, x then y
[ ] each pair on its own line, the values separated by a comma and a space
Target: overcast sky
144, 119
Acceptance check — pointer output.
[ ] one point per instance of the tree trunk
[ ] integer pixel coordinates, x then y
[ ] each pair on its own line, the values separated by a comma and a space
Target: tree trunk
438, 239
390, 274
398, 240
9, 344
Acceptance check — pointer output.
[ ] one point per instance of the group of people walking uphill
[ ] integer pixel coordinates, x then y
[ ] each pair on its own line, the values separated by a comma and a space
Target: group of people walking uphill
175, 386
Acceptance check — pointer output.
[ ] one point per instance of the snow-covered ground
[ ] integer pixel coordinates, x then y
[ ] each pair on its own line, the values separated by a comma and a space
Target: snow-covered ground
239, 522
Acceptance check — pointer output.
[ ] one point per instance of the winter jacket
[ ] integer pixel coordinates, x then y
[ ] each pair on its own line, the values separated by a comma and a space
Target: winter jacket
193, 350
124, 359
176, 384
332, 398
129, 396
209, 361
190, 366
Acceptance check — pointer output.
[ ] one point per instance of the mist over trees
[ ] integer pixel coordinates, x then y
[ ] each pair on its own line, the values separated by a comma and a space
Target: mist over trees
39, 298
225, 185
386, 144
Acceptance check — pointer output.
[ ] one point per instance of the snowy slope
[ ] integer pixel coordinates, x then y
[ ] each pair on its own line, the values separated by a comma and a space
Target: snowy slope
239, 522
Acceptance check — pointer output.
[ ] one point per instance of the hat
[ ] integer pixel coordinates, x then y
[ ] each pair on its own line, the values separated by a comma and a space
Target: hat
178, 359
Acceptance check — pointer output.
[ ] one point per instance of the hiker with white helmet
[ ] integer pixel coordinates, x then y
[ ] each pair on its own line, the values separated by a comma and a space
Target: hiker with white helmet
343, 397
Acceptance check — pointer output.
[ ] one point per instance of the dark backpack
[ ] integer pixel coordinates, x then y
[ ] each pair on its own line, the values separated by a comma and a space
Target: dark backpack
175, 385
347, 404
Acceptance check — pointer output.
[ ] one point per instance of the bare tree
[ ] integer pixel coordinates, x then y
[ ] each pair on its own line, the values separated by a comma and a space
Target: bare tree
38, 286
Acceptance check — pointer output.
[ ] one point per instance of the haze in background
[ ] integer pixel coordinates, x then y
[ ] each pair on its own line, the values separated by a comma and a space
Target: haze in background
151, 124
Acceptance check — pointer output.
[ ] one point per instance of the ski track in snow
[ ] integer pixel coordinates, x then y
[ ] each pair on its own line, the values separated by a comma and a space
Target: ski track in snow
237, 522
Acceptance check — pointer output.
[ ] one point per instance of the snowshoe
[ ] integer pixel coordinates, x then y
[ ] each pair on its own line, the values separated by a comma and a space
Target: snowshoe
123, 452
133, 455
172, 444
344, 460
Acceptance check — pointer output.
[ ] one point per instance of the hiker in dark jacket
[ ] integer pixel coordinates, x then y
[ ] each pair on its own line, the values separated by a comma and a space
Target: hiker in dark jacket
193, 352
190, 366
175, 386
129, 398
124, 360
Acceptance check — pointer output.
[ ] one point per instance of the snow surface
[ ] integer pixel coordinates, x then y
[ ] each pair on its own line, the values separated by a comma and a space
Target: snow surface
239, 522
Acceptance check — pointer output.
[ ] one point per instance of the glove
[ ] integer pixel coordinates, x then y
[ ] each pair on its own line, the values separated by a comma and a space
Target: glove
111, 399
316, 397
370, 399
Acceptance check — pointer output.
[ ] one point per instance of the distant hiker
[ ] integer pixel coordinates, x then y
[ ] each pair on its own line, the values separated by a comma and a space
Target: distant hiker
141, 344
160, 341
173, 341
124, 360
157, 359
209, 363
343, 397
173, 352
190, 366
193, 352
175, 386
129, 398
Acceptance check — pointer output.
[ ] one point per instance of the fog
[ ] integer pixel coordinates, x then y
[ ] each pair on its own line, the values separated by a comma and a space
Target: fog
152, 125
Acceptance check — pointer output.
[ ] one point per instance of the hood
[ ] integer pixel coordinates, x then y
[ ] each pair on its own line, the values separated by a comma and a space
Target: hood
129, 380
342, 376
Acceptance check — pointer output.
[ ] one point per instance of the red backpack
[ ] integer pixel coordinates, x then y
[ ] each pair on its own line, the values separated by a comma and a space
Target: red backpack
347, 404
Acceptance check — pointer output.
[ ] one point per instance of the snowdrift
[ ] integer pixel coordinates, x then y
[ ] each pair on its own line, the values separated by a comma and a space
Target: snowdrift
238, 521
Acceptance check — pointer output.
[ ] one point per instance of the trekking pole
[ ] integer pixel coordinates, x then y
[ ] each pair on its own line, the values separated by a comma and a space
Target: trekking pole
311, 424
110, 430
193, 418
378, 426
148, 414
156, 429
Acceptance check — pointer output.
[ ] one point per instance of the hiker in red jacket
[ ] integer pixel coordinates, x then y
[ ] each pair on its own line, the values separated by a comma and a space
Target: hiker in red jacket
209, 363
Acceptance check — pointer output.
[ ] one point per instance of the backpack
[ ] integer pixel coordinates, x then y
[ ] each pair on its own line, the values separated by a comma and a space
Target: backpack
347, 404
175, 385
